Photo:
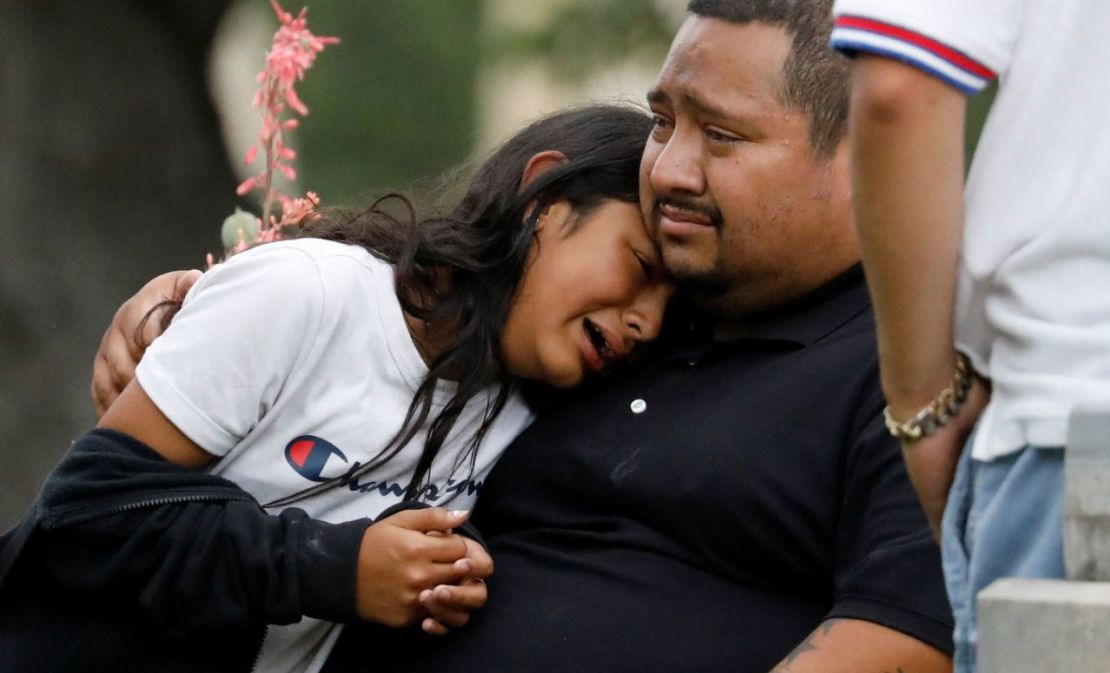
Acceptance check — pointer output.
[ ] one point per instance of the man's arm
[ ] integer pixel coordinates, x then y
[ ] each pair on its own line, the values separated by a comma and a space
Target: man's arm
907, 130
857, 646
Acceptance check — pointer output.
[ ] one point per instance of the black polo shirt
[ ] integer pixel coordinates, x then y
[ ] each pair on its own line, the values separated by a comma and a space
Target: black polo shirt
704, 513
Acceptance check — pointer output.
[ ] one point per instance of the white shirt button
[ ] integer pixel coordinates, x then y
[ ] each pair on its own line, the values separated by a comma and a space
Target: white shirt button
638, 406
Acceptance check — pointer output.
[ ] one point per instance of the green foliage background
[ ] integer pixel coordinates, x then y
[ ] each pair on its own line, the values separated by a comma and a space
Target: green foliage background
395, 104
395, 100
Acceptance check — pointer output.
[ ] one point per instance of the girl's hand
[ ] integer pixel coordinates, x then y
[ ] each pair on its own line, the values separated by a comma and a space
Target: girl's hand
404, 555
450, 606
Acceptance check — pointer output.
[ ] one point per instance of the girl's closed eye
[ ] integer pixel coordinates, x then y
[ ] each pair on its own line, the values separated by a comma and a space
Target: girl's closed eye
646, 264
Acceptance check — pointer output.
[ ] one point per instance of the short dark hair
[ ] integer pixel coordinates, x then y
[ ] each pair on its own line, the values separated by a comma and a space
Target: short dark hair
815, 78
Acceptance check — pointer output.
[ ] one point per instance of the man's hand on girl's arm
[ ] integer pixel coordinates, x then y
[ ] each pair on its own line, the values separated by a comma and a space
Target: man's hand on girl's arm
122, 346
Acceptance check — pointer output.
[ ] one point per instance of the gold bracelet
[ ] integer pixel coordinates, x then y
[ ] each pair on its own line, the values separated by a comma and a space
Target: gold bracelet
937, 413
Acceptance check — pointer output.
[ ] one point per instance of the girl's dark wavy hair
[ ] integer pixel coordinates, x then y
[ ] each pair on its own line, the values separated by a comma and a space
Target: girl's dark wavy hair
482, 247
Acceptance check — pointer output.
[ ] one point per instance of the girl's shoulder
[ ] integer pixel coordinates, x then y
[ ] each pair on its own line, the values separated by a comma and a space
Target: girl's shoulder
317, 251
304, 266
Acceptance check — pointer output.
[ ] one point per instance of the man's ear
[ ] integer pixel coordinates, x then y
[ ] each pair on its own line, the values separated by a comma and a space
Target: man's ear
539, 164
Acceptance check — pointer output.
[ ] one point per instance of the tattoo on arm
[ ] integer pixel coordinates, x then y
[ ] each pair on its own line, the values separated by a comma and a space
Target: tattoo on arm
806, 645
814, 643
803, 647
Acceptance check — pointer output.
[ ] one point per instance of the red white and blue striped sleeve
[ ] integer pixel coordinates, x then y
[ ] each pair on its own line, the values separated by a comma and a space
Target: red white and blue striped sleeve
853, 34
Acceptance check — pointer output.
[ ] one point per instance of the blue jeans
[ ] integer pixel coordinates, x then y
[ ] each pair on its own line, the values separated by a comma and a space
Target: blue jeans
1004, 518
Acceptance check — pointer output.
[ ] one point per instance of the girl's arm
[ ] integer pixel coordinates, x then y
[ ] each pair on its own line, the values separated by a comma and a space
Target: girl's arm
134, 414
398, 563
194, 551
396, 560
189, 550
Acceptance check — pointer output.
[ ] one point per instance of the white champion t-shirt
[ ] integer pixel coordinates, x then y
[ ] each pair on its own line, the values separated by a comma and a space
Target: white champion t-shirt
292, 362
1033, 310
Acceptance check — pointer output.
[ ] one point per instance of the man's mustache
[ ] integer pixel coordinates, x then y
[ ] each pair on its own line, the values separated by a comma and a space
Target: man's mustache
709, 212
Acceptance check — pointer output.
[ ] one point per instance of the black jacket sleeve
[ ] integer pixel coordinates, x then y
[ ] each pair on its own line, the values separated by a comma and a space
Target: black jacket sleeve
193, 549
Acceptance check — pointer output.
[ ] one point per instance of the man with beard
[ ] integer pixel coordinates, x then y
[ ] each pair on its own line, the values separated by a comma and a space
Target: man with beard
735, 503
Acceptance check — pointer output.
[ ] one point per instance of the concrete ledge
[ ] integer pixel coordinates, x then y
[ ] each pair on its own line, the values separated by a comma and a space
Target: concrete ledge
1087, 497
1044, 626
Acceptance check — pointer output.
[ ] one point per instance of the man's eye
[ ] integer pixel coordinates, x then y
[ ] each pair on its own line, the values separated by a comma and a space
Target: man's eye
660, 125
720, 137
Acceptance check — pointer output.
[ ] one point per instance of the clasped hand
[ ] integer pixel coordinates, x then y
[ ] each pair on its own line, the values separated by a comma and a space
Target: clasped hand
412, 567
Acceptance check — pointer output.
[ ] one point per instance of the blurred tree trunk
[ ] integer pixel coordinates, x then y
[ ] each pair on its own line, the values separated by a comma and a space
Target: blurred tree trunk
112, 170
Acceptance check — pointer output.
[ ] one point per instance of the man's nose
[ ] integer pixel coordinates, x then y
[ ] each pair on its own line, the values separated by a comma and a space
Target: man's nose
677, 167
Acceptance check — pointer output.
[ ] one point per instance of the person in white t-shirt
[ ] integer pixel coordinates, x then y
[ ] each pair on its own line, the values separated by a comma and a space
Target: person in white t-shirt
374, 361
1011, 271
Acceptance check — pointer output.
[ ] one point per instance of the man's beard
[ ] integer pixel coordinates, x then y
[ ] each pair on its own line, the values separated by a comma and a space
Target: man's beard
702, 285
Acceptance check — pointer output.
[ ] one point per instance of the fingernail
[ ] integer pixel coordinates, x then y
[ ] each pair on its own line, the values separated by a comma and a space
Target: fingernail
442, 592
459, 513
425, 595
